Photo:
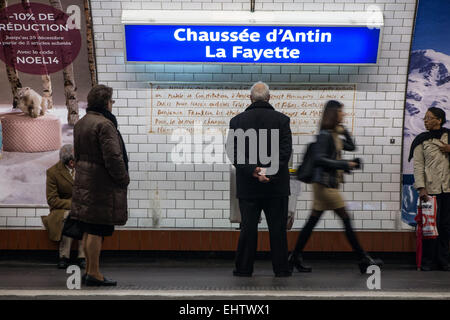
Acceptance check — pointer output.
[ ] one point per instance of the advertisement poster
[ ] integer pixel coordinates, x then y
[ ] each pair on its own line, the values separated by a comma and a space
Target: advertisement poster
47, 68
428, 86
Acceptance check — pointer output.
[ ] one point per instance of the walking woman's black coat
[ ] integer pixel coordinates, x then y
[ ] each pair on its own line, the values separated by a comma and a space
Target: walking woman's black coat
325, 156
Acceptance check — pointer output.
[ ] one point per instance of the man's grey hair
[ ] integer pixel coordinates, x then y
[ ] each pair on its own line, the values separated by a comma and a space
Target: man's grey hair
260, 92
66, 153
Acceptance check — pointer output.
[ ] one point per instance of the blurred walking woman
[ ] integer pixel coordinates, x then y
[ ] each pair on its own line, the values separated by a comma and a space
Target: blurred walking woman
430, 150
327, 175
99, 198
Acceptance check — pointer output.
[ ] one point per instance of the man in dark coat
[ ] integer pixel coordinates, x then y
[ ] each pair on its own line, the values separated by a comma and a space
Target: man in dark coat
259, 145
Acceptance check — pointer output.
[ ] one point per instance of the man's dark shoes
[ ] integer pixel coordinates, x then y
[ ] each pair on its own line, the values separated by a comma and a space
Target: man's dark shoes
367, 261
444, 268
83, 278
63, 263
93, 282
283, 274
426, 268
241, 274
81, 262
297, 262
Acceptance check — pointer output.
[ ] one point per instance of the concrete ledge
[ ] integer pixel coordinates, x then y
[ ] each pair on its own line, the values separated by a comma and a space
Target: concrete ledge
219, 294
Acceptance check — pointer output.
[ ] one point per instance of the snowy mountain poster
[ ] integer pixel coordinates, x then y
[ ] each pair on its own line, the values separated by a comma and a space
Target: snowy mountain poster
428, 86
47, 68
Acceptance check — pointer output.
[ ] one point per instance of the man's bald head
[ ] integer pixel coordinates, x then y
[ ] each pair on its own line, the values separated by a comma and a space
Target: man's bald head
259, 92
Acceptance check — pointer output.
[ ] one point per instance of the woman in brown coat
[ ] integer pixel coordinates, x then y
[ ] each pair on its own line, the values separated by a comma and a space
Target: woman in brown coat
99, 198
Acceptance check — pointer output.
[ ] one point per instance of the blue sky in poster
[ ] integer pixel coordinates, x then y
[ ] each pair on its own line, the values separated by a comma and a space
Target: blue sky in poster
432, 25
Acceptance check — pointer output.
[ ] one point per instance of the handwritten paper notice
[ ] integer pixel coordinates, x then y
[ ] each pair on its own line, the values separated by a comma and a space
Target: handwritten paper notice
174, 107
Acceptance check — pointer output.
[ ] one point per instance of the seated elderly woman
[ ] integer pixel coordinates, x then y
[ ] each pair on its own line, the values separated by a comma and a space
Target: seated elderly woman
59, 185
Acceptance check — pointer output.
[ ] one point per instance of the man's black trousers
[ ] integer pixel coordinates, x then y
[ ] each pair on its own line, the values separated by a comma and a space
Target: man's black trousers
276, 212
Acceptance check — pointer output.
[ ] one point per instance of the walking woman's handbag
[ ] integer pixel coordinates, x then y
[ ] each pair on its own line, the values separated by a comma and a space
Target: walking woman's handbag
72, 228
305, 169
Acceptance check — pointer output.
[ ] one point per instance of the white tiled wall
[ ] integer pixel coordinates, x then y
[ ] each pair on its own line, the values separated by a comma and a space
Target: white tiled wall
197, 196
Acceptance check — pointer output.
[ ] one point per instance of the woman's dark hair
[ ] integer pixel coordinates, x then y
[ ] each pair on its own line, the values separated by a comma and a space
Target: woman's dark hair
330, 115
438, 113
99, 96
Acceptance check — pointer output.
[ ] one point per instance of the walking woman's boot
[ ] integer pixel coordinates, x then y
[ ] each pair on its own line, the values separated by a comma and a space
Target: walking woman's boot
296, 260
367, 261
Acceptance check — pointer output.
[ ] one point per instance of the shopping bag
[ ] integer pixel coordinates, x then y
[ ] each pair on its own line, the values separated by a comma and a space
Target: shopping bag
296, 188
428, 211
235, 212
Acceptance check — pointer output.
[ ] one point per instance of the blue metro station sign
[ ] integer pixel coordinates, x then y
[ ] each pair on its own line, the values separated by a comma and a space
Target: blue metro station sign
263, 37
268, 44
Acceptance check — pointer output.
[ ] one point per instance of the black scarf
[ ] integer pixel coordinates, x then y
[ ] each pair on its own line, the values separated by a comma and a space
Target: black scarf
432, 134
108, 115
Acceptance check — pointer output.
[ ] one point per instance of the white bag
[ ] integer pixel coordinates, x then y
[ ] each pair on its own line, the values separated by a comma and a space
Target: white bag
429, 213
296, 189
235, 212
